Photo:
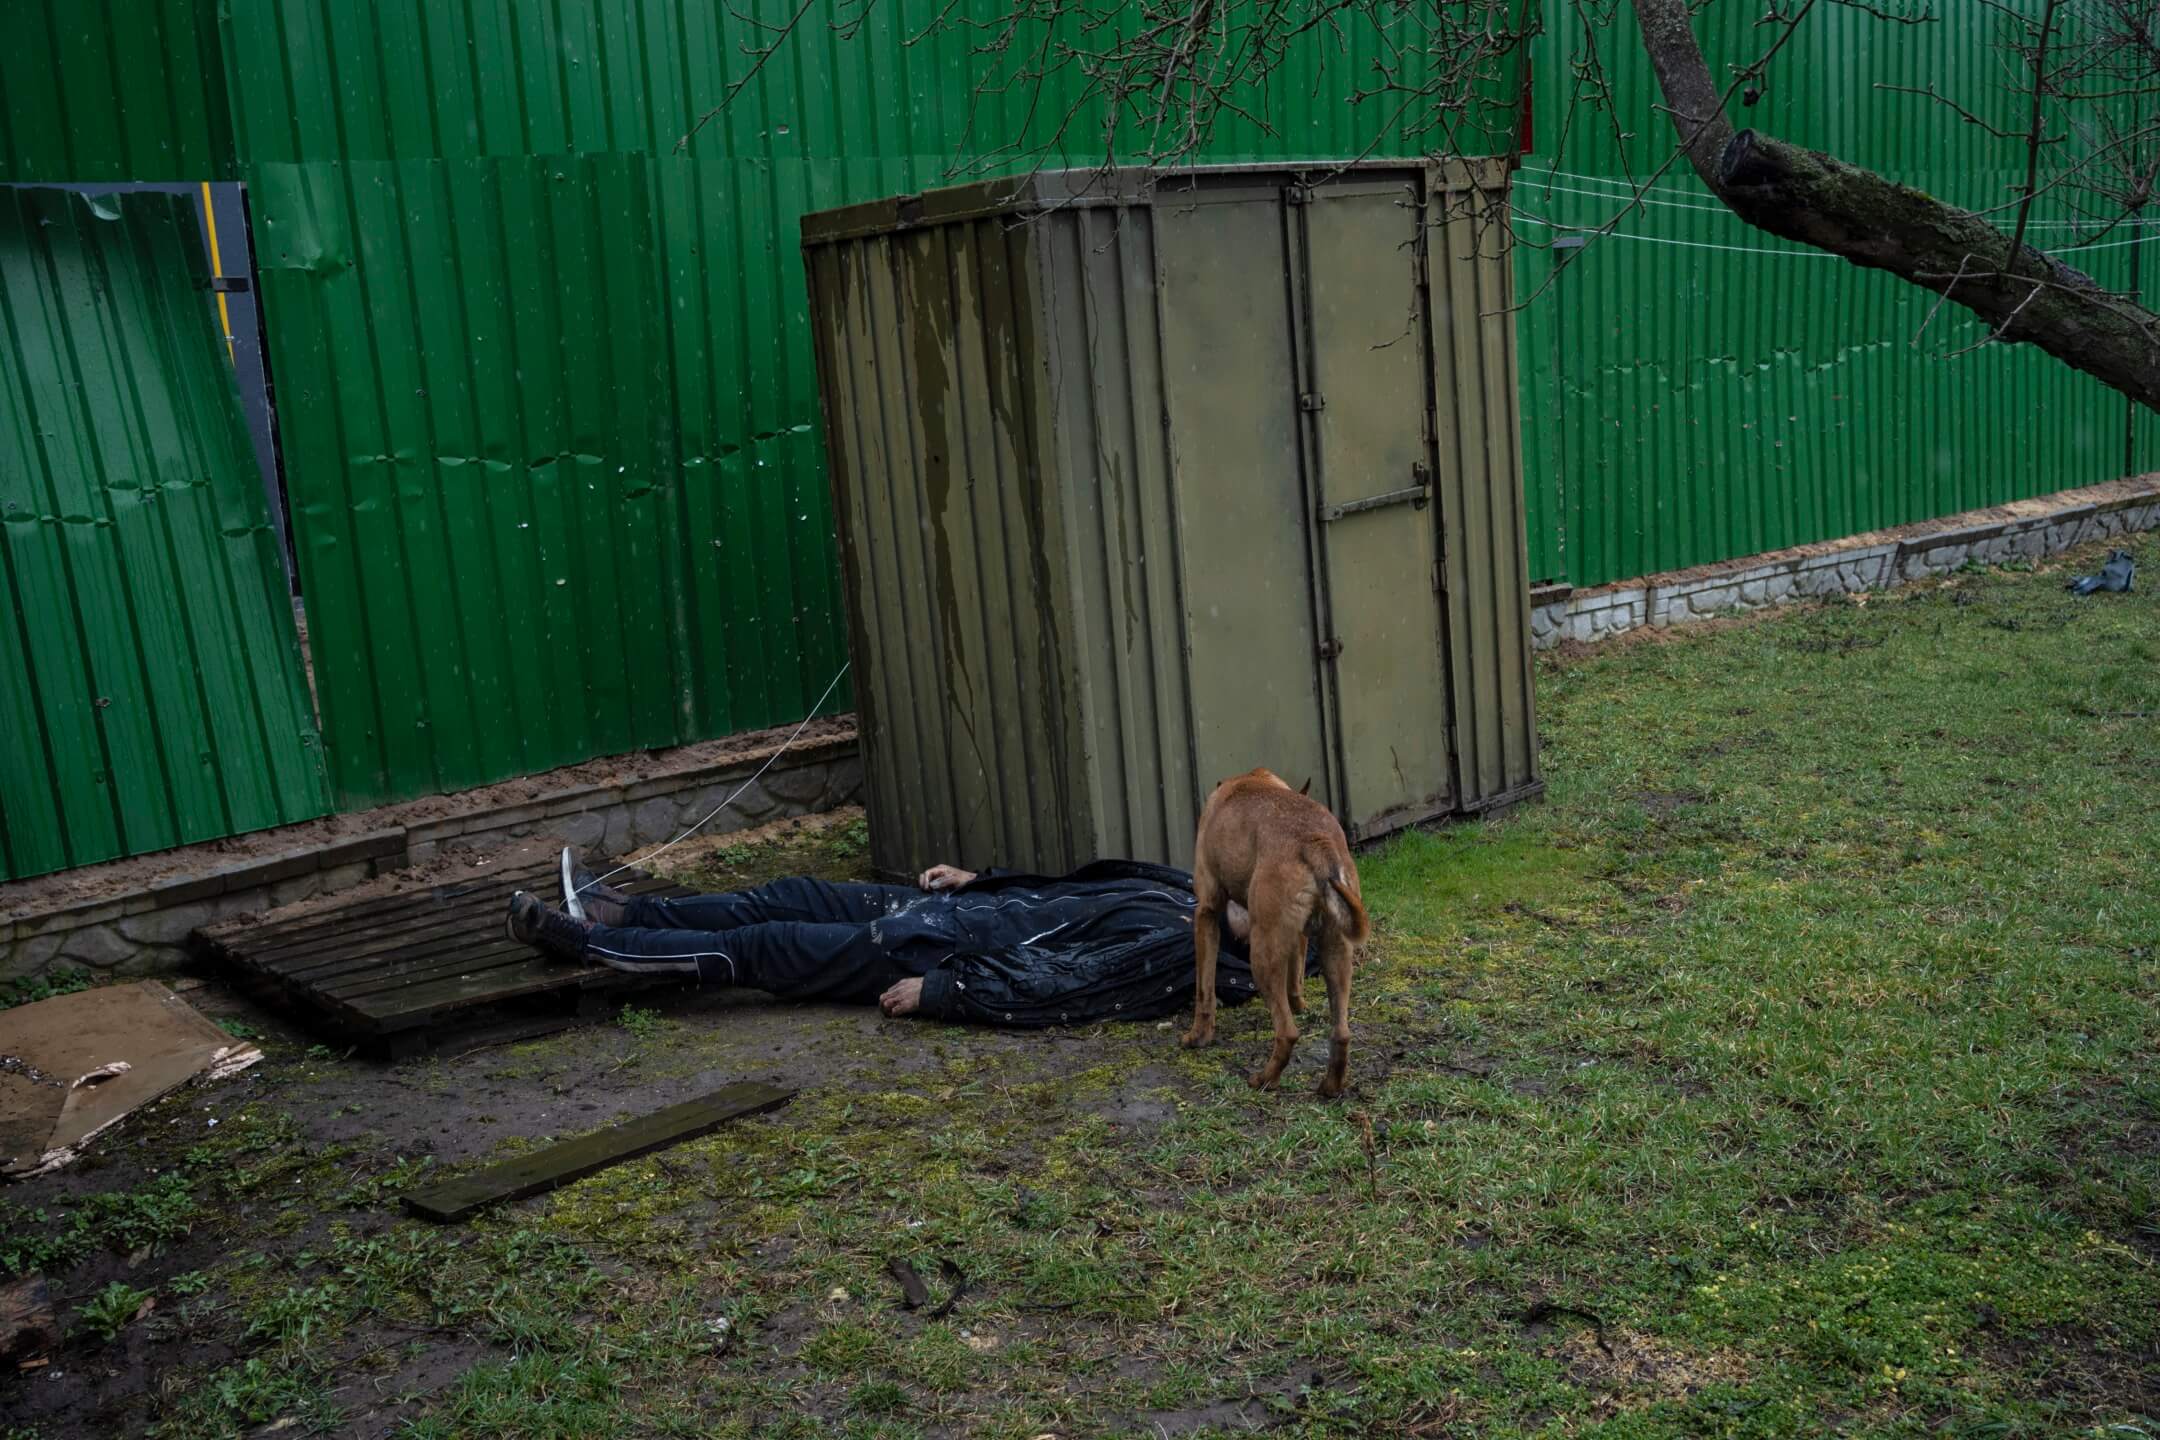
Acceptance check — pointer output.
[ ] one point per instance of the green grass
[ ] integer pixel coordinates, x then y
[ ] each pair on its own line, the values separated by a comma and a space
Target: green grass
1788, 1071
831, 852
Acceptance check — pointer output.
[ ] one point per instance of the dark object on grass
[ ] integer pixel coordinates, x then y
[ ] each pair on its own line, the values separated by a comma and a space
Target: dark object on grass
959, 1283
914, 1294
2117, 574
27, 1326
570, 1160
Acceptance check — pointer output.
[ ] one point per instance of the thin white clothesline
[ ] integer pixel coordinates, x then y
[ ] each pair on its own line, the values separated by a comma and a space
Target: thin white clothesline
1623, 191
834, 685
1784, 254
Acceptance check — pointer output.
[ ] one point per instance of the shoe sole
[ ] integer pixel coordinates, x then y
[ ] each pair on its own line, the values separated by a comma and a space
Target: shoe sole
571, 905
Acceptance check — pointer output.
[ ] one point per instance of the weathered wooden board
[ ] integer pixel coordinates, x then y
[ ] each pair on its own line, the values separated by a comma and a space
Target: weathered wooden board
570, 1160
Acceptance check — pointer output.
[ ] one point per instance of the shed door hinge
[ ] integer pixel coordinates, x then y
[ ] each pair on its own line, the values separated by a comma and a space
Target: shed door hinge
1311, 400
1297, 195
1330, 648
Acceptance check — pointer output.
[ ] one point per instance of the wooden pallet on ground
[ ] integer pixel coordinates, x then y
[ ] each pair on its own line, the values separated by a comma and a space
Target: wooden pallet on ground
392, 971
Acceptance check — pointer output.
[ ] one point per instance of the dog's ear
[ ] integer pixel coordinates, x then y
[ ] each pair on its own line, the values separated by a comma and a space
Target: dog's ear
1306, 788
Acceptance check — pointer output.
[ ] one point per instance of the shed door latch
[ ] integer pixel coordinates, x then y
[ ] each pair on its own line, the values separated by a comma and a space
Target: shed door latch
1311, 400
1417, 495
1330, 648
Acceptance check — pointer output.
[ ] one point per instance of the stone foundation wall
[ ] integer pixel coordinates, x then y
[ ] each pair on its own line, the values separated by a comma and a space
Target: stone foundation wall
144, 932
1559, 613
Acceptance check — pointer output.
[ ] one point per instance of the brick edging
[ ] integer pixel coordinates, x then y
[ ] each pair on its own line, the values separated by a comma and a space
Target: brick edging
1560, 612
144, 931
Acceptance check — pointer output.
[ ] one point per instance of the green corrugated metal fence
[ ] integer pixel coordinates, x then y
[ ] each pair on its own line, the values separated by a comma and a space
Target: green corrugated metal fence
474, 215
150, 681
101, 90
1695, 390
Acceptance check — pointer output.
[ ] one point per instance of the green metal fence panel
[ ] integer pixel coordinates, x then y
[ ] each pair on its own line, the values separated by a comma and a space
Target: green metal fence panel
422, 345
150, 680
1707, 391
102, 90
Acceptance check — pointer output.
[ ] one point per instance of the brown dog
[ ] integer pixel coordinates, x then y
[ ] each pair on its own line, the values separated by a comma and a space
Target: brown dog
1283, 857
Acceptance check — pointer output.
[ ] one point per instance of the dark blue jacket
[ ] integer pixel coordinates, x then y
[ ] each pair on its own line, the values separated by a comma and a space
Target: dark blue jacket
1110, 941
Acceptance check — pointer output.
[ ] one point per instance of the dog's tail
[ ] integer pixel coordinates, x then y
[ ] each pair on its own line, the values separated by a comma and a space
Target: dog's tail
1339, 892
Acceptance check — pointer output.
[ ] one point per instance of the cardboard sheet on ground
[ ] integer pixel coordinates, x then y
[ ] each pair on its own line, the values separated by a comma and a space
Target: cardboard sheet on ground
75, 1064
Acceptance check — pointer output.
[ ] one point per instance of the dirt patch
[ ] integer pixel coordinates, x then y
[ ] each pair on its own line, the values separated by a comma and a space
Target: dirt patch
120, 877
1630, 1369
697, 850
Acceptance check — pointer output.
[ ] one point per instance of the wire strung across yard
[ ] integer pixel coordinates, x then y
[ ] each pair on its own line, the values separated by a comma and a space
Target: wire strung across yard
701, 824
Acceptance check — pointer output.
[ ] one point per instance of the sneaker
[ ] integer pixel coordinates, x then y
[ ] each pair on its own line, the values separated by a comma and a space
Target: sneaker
533, 922
585, 898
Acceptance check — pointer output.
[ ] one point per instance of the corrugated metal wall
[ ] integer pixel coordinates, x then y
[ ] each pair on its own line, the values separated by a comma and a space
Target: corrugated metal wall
95, 90
150, 680
1696, 390
1115, 459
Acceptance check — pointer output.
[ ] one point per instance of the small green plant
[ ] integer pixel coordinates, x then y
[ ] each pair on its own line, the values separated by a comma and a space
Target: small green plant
239, 1029
31, 989
113, 1309
642, 1024
192, 1282
296, 1315
850, 841
165, 1209
122, 1220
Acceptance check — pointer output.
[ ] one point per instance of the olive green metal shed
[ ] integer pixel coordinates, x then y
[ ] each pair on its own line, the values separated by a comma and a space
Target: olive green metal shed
1145, 480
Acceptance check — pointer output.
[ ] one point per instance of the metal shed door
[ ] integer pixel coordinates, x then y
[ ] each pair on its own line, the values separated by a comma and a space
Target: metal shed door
1229, 364
1366, 401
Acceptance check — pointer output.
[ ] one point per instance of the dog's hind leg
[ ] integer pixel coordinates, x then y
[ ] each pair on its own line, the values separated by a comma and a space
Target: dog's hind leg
1207, 937
1273, 955
1336, 959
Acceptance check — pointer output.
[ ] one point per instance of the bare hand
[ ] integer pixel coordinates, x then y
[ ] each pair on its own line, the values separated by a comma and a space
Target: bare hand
944, 877
904, 998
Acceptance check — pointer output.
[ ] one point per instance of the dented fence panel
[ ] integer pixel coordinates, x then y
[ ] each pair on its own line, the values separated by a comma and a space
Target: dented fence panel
150, 680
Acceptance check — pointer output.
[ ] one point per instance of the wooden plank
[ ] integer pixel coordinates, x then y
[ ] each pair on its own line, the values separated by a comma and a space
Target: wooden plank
447, 1001
27, 1326
572, 1160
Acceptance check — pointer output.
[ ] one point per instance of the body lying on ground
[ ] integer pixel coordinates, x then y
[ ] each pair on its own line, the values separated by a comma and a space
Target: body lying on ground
1112, 940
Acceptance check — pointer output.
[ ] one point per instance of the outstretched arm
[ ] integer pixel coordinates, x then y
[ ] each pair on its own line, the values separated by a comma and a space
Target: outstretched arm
944, 877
